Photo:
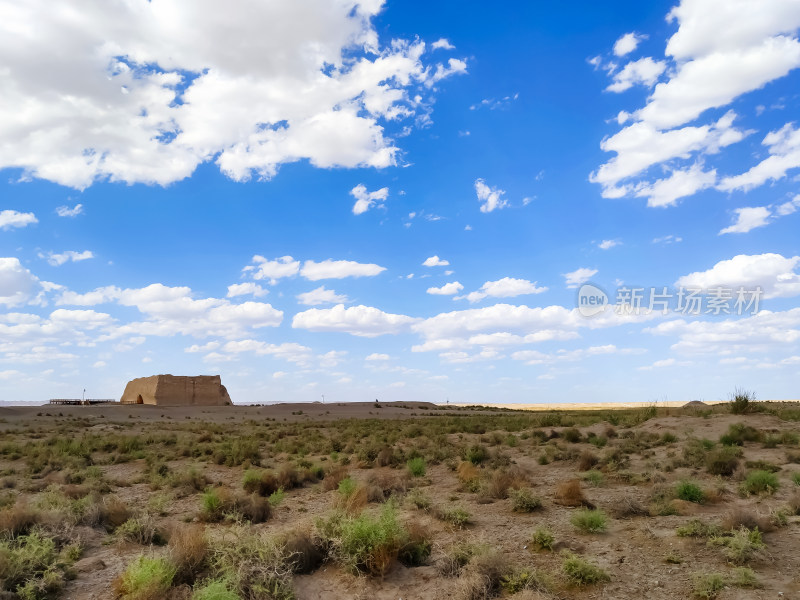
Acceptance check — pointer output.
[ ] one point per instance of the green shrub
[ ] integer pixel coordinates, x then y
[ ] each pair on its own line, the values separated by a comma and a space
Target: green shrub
416, 466
594, 478
743, 577
589, 520
254, 564
419, 499
519, 580
691, 492
742, 402
571, 435
698, 528
215, 589
212, 504
145, 578
760, 482
365, 543
739, 433
723, 461
417, 547
543, 539
669, 438
707, 585
740, 547
796, 477
276, 497
581, 572
25, 560
523, 500
455, 515
476, 454
141, 530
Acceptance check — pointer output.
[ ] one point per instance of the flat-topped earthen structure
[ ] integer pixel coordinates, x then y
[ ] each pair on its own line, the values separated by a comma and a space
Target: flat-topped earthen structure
174, 390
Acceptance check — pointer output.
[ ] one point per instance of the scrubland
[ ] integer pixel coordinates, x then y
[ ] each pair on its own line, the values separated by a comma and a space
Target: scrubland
402, 501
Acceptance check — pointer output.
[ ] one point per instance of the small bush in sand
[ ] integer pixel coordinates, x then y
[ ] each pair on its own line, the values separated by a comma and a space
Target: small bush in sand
482, 578
456, 516
334, 477
723, 461
741, 547
590, 521
146, 578
188, 551
582, 572
740, 516
587, 460
523, 500
569, 493
707, 585
760, 482
691, 492
303, 552
215, 589
416, 466
17, 520
365, 543
351, 496
543, 539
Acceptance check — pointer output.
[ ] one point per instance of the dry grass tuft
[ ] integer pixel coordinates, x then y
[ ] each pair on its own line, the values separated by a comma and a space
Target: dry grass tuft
482, 577
113, 512
587, 460
17, 520
740, 516
303, 553
188, 551
467, 472
334, 477
504, 480
569, 493
629, 507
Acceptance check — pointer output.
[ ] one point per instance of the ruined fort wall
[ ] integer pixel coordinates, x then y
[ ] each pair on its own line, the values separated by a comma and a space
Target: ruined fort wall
172, 390
144, 387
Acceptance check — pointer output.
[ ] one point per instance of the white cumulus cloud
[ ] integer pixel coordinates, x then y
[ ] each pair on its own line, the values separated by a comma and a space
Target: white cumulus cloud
366, 200
66, 211
338, 269
507, 287
748, 218
363, 321
12, 218
774, 273
58, 259
644, 71
147, 91
579, 276
321, 295
490, 198
448, 289
435, 261
627, 43
246, 289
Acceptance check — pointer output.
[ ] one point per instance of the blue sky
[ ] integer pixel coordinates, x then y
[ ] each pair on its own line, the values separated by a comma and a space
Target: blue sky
399, 200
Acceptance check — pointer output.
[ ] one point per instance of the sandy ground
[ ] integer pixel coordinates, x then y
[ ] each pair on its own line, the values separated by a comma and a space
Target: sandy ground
632, 550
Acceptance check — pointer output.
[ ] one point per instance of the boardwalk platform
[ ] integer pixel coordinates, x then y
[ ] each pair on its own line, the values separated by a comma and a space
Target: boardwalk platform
78, 401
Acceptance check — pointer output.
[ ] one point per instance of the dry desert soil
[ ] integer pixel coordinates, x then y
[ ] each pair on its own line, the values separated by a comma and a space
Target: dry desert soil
398, 501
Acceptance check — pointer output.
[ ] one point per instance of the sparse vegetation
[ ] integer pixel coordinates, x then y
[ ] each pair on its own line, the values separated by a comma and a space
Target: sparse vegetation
589, 521
760, 482
370, 494
580, 571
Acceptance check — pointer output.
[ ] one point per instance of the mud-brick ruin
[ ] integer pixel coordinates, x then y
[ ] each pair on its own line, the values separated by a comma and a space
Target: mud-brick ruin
174, 390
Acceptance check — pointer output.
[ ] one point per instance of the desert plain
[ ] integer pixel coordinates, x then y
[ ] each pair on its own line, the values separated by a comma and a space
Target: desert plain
399, 500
